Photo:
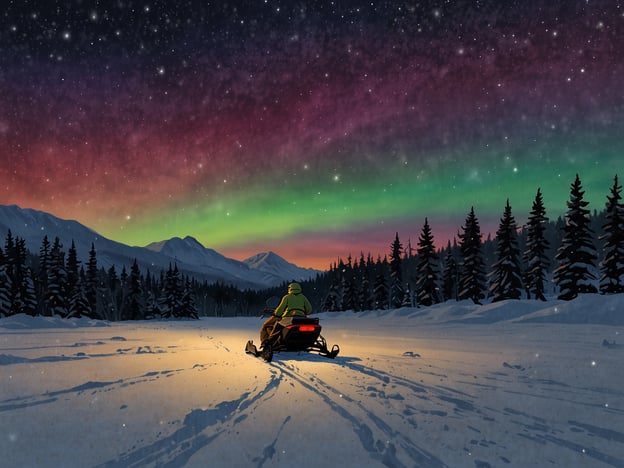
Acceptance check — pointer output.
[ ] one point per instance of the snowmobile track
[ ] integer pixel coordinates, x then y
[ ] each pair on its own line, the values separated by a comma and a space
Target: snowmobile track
365, 423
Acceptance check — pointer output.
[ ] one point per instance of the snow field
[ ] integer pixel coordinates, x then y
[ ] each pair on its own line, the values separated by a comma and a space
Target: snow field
409, 388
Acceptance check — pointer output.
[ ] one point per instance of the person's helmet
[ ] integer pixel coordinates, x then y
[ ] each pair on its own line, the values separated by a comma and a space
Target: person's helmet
294, 288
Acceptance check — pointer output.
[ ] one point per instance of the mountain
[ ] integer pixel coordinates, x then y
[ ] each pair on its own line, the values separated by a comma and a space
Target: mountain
191, 257
269, 268
272, 264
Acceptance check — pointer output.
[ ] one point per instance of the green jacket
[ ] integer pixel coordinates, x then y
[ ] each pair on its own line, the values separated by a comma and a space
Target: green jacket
293, 303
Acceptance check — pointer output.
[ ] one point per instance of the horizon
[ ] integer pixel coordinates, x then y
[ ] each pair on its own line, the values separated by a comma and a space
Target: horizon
244, 254
312, 132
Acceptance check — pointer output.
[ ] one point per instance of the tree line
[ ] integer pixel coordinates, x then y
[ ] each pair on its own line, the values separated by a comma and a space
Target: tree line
519, 261
54, 282
561, 255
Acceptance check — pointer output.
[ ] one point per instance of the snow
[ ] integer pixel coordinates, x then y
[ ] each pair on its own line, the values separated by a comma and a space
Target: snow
272, 264
515, 383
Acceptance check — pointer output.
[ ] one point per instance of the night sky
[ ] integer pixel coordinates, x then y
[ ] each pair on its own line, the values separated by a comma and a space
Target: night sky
312, 129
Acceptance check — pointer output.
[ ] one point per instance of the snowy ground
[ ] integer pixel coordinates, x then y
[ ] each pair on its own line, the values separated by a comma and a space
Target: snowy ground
456, 385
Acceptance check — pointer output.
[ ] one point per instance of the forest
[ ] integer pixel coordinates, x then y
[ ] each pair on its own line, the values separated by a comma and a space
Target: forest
583, 252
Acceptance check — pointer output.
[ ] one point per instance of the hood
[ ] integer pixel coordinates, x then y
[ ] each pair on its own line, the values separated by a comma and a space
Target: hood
294, 288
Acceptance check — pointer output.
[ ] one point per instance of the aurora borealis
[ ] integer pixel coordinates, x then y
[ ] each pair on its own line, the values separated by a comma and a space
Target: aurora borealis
312, 129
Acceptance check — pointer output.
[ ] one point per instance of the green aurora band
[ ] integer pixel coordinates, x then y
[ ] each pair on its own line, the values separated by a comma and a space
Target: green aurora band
400, 195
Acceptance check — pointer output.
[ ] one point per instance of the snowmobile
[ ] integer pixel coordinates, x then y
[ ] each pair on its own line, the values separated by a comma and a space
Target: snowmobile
293, 334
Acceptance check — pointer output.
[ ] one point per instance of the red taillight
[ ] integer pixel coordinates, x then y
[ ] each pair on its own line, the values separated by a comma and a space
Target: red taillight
306, 328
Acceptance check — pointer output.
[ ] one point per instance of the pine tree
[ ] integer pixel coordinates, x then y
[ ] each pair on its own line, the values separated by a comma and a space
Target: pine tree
189, 308
12, 284
28, 294
56, 299
450, 275
221, 294
78, 303
5, 288
91, 282
409, 250
365, 298
396, 274
9, 253
472, 274
15, 263
171, 295
135, 309
408, 300
361, 266
152, 307
536, 260
380, 292
72, 266
41, 284
576, 254
505, 277
115, 297
349, 299
426, 268
122, 295
612, 264
331, 303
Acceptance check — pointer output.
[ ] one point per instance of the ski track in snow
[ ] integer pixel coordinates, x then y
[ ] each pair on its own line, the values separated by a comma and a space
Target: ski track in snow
374, 433
403, 410
365, 423
445, 402
176, 449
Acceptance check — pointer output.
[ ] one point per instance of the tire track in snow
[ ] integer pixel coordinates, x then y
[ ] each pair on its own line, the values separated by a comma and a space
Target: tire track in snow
348, 409
269, 450
91, 386
438, 395
177, 449
543, 430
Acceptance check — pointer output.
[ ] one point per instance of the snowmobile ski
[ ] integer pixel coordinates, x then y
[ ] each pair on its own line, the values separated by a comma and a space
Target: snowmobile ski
265, 353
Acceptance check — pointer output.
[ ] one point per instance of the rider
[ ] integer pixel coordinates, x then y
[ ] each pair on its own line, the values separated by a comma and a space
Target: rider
292, 304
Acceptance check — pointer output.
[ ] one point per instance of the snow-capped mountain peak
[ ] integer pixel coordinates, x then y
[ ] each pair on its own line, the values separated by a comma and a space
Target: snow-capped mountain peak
264, 258
271, 263
188, 248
